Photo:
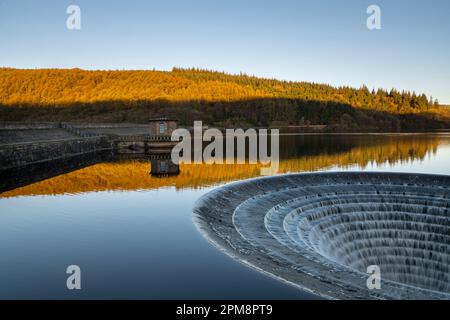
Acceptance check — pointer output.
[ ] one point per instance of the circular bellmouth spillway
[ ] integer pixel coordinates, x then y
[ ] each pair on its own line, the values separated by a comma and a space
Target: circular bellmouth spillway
321, 231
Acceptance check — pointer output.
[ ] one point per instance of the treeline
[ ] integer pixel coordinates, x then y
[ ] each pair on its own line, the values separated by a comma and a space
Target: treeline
215, 97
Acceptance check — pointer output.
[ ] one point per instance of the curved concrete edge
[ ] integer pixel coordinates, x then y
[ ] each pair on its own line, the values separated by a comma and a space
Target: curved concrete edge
215, 223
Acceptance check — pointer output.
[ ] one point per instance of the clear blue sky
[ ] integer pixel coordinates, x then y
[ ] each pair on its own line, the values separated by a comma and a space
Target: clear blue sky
322, 41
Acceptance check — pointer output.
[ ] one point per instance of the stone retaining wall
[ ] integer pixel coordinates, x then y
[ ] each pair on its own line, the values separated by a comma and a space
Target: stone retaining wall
20, 154
19, 125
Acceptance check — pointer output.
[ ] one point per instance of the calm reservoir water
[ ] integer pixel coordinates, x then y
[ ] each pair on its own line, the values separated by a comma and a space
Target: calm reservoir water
132, 233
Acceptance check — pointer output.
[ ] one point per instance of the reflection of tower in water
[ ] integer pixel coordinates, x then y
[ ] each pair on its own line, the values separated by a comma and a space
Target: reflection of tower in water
161, 165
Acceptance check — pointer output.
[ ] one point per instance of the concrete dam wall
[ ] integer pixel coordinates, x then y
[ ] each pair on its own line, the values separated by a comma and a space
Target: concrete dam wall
24, 143
16, 155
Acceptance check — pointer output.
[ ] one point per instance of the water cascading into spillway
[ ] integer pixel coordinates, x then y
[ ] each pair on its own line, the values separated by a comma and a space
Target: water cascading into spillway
322, 231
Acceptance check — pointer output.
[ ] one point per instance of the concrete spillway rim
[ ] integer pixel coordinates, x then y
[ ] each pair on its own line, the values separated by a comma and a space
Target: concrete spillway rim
412, 179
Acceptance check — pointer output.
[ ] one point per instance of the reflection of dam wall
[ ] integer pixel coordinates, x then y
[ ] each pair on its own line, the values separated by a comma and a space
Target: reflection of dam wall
31, 174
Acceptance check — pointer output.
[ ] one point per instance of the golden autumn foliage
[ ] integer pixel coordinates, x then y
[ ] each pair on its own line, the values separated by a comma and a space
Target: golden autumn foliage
60, 87
218, 98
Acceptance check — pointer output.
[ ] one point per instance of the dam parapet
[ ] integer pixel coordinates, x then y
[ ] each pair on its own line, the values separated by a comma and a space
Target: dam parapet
29, 143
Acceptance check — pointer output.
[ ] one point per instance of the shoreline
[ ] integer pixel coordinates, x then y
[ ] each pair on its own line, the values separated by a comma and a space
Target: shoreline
24, 143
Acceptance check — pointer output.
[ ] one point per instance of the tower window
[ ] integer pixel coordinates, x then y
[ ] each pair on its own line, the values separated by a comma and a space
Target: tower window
162, 127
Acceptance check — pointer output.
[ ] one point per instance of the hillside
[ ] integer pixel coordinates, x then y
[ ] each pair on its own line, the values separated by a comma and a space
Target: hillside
216, 98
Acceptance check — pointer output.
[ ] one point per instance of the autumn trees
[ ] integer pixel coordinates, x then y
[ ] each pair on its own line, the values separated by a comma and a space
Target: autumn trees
220, 98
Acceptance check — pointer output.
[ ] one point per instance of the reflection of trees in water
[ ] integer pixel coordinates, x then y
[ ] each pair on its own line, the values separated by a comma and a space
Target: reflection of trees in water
302, 145
301, 154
